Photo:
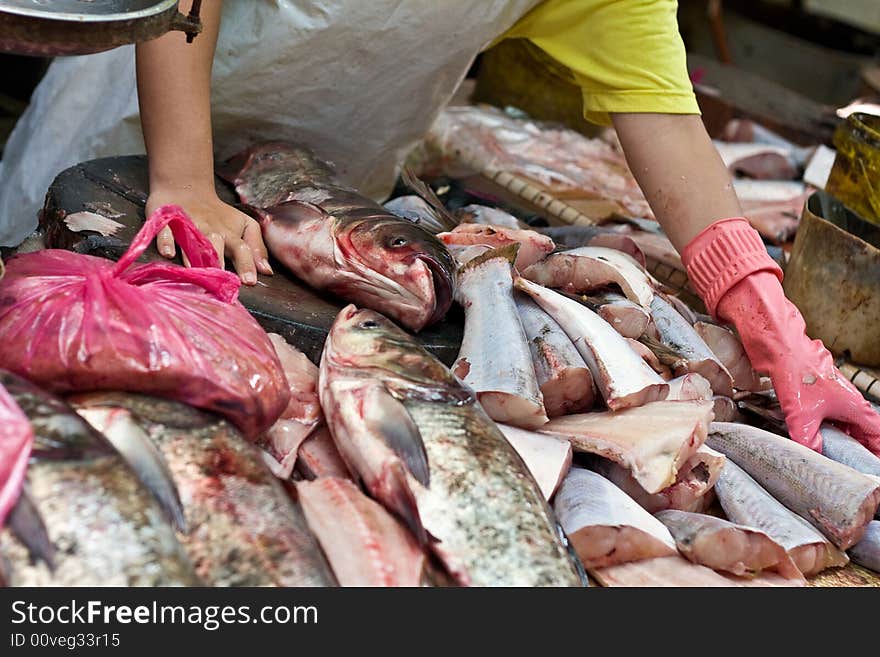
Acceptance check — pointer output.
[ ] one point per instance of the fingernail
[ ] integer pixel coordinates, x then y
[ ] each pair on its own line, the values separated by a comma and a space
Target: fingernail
266, 266
166, 251
249, 278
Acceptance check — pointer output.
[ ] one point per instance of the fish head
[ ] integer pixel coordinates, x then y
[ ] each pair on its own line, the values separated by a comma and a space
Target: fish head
405, 265
365, 342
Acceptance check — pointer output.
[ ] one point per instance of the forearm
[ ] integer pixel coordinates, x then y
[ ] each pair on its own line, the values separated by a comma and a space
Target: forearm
174, 91
679, 171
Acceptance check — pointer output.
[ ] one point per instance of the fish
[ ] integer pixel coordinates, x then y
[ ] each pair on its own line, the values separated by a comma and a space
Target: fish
679, 572
495, 359
423, 447
722, 545
744, 130
280, 444
629, 319
726, 409
621, 376
415, 209
548, 458
588, 268
843, 448
651, 359
244, 528
867, 551
483, 214
773, 207
365, 545
533, 246
689, 386
745, 502
836, 499
691, 490
653, 441
84, 518
318, 457
730, 351
677, 334
337, 240
757, 161
605, 526
564, 379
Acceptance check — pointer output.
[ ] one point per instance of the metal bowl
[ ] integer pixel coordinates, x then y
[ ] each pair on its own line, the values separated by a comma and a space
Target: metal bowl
80, 27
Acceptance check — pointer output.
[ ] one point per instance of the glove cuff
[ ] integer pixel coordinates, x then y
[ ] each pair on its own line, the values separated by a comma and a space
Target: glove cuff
722, 255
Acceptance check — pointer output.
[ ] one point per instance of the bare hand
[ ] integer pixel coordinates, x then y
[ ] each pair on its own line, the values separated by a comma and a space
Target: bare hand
233, 233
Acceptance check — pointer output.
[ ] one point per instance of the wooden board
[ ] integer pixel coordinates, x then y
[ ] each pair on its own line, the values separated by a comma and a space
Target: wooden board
116, 187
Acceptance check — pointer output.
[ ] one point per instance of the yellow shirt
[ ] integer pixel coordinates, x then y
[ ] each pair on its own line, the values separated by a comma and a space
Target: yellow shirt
625, 55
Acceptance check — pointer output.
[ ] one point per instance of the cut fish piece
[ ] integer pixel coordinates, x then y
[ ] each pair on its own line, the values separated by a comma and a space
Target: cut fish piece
590, 267
532, 245
548, 458
729, 350
677, 334
494, 359
679, 572
843, 448
484, 214
651, 359
689, 386
726, 409
318, 457
628, 318
605, 526
365, 545
723, 545
691, 491
563, 377
653, 441
621, 376
838, 500
867, 551
745, 502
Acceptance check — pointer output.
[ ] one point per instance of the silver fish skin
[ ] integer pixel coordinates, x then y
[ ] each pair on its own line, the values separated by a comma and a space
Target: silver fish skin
244, 528
867, 551
677, 334
424, 448
843, 448
621, 376
483, 214
745, 502
104, 527
495, 359
563, 377
836, 499
417, 210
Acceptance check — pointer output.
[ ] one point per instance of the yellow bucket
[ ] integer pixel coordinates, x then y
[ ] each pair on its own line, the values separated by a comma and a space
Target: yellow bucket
855, 176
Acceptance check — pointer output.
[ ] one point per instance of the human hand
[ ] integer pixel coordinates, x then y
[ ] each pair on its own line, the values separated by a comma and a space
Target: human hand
231, 232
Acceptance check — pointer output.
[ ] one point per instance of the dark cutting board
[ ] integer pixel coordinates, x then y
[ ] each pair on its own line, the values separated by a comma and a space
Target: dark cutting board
280, 303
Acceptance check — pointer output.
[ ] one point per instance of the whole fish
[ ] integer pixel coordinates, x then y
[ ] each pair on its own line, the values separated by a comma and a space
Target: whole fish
845, 449
483, 214
838, 500
337, 240
423, 447
745, 502
723, 545
590, 267
605, 526
622, 377
867, 551
244, 529
84, 518
563, 377
495, 359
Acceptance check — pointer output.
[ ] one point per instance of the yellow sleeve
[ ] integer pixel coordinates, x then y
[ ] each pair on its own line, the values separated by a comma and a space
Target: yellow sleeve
626, 55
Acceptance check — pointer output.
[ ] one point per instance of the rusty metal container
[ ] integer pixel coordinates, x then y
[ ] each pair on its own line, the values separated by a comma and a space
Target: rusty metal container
855, 176
833, 277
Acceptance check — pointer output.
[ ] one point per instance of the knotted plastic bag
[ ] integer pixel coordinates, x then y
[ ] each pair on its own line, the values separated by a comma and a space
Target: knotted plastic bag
73, 322
16, 439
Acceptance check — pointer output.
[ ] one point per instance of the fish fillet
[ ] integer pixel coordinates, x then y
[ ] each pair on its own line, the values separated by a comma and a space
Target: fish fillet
689, 386
365, 545
622, 377
746, 503
678, 572
723, 545
729, 350
494, 359
605, 526
838, 500
867, 551
563, 377
590, 267
318, 457
628, 318
653, 441
548, 458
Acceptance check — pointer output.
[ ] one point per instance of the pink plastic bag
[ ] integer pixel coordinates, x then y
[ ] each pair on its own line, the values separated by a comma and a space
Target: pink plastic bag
16, 438
72, 322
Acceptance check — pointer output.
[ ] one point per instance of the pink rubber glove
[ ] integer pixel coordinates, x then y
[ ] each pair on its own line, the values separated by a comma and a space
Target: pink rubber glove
740, 284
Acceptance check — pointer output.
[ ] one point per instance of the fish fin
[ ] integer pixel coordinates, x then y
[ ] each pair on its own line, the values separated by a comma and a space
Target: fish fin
293, 212
390, 420
444, 217
124, 432
400, 498
230, 169
507, 252
26, 523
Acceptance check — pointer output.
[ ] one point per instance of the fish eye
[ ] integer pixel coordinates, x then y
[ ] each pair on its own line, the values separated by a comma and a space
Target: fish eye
369, 324
397, 242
